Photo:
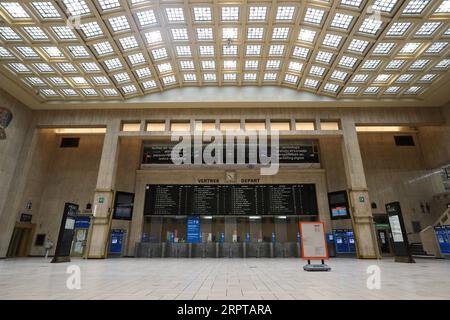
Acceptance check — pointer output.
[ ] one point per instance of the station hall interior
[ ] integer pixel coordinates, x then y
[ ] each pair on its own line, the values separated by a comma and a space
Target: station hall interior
353, 96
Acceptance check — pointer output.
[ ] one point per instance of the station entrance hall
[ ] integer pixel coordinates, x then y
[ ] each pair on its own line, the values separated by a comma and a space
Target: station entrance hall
235, 138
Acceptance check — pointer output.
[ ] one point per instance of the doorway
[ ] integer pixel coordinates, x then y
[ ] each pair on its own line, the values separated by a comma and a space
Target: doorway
383, 241
20, 243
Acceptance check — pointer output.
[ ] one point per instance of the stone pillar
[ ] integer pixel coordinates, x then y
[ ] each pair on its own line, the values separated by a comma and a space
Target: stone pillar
362, 220
104, 194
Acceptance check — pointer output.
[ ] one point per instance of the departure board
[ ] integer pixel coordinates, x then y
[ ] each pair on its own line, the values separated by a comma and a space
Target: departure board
231, 199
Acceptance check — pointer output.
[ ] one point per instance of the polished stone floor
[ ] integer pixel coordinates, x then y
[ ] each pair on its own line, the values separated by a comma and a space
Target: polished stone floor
128, 278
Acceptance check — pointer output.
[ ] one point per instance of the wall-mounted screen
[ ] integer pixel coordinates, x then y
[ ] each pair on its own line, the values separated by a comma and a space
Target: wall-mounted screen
338, 202
123, 205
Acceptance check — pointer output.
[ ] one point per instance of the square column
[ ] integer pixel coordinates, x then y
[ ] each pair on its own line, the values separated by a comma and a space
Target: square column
361, 211
104, 194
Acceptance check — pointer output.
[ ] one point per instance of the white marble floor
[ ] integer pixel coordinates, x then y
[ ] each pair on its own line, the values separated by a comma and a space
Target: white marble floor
129, 278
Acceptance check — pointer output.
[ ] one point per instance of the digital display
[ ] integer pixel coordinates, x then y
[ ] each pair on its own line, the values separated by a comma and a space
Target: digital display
338, 202
274, 199
123, 205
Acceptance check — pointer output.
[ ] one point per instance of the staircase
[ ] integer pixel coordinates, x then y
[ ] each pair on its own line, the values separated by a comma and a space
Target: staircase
418, 252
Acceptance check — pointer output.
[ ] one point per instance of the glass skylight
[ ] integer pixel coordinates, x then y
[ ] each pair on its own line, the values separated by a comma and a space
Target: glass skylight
270, 76
301, 52
398, 29
285, 13
109, 4
230, 13
444, 7
251, 64
314, 16
165, 67
113, 64
202, 14
384, 5
187, 65
159, 53
46, 10
91, 29
175, 14
342, 21
53, 52
255, 33
332, 40
324, 57
348, 62
428, 28
370, 26
253, 50
36, 33
358, 45
204, 33
383, 48
208, 64
8, 33
276, 50
257, 13
280, 33
103, 48
64, 32
229, 33
415, 6
307, 35
27, 52
128, 43
436, 47
146, 18
179, 34
119, 23
183, 51
76, 7
15, 10
153, 37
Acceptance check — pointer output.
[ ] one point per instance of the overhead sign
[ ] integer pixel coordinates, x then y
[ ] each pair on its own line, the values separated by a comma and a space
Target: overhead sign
400, 239
313, 241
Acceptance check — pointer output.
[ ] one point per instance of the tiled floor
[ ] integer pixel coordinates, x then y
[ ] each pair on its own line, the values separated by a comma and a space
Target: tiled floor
35, 278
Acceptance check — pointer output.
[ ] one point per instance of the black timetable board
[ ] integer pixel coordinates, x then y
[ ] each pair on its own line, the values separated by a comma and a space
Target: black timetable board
66, 232
231, 199
306, 152
399, 236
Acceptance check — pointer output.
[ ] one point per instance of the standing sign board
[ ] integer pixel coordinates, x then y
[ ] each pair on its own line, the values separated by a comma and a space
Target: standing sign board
193, 229
314, 245
399, 236
66, 230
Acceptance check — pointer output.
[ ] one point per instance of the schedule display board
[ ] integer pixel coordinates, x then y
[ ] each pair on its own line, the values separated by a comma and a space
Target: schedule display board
313, 242
339, 207
231, 199
399, 236
66, 231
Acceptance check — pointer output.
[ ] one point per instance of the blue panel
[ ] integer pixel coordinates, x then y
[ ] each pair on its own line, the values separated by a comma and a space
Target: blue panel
193, 230
82, 222
443, 237
116, 242
344, 241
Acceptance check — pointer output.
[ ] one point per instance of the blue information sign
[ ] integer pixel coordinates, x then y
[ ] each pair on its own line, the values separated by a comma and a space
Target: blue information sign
193, 229
116, 242
443, 237
82, 222
345, 241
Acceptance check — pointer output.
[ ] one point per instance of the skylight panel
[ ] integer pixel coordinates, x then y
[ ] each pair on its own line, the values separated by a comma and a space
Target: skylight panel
128, 43
91, 29
257, 13
63, 32
36, 33
348, 62
384, 5
358, 45
48, 92
273, 64
46, 10
276, 50
76, 7
136, 59
15, 10
311, 83
53, 52
444, 7
395, 64
410, 48
383, 78
341, 21
179, 34
413, 90
103, 48
27, 52
164, 67
150, 84
444, 64
398, 29
43, 67
143, 72
67, 67
159, 53
209, 77
113, 64
428, 28
229, 50
78, 51
324, 57
206, 50
110, 92
183, 51
202, 14
360, 78
255, 33
100, 80
19, 67
331, 87
429, 77
253, 50
229, 76
9, 34
89, 92
270, 76
79, 80
119, 23
190, 77
208, 64
229, 33
314, 15
290, 78
383, 48
230, 13
352, 3
285, 13
146, 18
230, 65
436, 47
371, 90
295, 66
153, 37
339, 75
307, 35
204, 33
251, 64
351, 90
419, 64
5, 53
301, 52
187, 65
90, 67
175, 14
109, 4
69, 92
415, 6
280, 33
392, 90
122, 77
332, 40
129, 89
169, 80
250, 76
317, 71
370, 26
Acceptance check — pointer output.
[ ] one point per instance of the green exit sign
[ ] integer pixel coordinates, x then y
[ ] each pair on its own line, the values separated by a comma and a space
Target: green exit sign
361, 199
101, 200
